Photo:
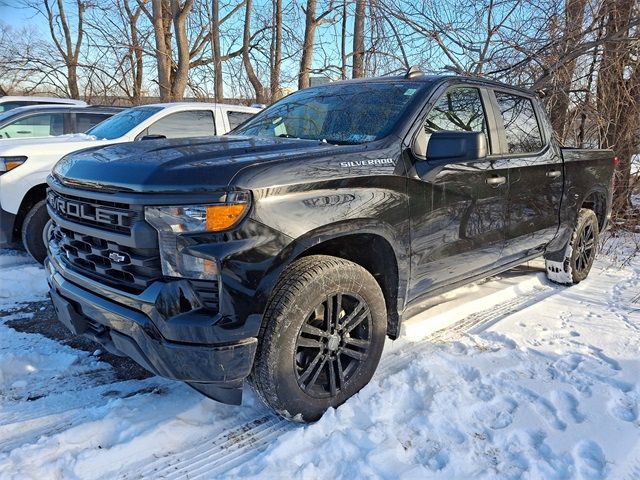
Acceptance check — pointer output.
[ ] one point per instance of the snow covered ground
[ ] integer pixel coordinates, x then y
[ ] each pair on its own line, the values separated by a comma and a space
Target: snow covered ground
529, 380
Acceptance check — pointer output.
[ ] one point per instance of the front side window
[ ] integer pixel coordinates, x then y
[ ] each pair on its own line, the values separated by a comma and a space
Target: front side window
339, 114
458, 110
42, 125
122, 123
520, 123
194, 123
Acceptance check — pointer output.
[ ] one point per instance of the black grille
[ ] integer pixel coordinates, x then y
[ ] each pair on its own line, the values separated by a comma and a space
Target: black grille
129, 269
112, 216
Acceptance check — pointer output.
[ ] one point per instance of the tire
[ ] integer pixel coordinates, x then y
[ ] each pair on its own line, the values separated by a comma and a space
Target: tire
580, 252
33, 231
295, 334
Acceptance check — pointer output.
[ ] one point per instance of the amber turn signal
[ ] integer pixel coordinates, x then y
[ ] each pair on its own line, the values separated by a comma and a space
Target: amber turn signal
222, 217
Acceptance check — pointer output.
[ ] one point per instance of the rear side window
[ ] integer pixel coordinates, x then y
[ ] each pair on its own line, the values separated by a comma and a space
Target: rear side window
41, 125
458, 110
85, 121
195, 123
5, 107
520, 124
236, 118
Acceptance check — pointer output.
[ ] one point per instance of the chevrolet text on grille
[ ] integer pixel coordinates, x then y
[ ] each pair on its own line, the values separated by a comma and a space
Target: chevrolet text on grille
86, 211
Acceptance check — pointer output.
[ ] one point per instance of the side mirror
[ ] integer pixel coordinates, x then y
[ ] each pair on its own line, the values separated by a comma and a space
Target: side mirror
451, 147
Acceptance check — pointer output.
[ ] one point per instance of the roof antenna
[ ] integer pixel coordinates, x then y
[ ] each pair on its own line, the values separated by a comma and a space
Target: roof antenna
413, 72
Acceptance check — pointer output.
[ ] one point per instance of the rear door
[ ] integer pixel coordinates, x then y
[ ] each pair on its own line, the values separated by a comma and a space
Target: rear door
458, 210
535, 174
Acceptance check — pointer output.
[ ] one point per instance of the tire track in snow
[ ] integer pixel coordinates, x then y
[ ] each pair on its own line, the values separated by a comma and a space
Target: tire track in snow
216, 455
54, 414
222, 451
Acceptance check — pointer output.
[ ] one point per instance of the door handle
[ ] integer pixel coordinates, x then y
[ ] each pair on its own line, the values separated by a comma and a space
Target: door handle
23, 131
554, 173
496, 180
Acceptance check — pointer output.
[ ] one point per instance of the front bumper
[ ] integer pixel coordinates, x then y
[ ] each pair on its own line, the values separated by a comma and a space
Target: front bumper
7, 224
215, 362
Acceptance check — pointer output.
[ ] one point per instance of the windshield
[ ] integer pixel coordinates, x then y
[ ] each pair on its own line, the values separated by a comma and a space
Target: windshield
340, 114
122, 123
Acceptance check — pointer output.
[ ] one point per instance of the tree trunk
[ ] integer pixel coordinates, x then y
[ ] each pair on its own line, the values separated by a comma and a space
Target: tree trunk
181, 73
135, 52
358, 40
276, 63
307, 44
343, 41
246, 60
163, 60
218, 86
72, 80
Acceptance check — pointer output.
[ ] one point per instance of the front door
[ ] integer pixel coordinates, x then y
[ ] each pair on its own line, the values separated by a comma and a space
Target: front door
458, 210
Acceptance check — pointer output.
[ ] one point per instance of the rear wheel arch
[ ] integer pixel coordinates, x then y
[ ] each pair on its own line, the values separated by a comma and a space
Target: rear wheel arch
597, 202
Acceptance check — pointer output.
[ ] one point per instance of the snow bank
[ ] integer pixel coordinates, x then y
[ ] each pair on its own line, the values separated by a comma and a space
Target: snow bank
22, 283
533, 380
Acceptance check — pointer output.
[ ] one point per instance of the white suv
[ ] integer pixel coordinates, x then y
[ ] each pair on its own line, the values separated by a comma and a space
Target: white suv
9, 102
25, 163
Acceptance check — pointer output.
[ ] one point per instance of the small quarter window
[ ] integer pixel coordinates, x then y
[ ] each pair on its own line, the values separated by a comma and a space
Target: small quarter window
520, 124
236, 118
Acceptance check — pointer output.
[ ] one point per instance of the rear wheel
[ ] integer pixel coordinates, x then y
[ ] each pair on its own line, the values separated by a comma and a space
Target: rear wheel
580, 252
33, 231
322, 337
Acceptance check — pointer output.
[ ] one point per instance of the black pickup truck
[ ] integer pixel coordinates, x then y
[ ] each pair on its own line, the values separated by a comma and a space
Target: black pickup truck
286, 252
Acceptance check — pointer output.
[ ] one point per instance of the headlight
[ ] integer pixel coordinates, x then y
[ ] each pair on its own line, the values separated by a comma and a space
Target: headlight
9, 163
172, 221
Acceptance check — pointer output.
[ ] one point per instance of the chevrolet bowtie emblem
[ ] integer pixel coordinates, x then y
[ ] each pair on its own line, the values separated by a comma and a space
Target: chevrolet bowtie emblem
116, 257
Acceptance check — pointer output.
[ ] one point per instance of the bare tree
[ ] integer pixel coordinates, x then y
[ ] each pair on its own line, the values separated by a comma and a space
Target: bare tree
66, 42
310, 25
619, 94
173, 73
561, 79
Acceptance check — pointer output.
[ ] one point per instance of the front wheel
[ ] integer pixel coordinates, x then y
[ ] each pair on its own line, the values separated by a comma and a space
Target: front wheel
33, 231
580, 252
322, 337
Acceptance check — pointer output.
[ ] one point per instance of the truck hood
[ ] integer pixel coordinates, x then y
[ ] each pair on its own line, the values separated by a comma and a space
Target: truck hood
178, 165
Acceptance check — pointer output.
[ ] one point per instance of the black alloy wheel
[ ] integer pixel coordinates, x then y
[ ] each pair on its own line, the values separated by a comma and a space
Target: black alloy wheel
332, 345
586, 250
321, 339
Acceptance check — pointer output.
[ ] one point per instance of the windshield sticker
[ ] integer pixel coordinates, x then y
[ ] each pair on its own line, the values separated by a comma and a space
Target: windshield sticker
410, 91
367, 163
